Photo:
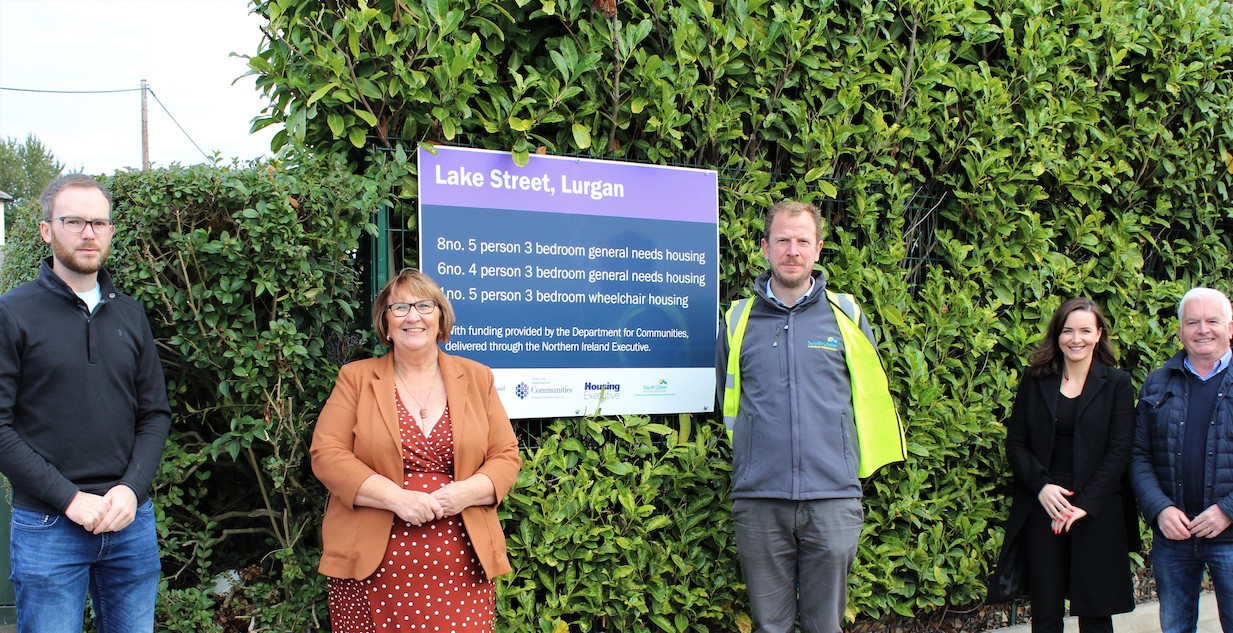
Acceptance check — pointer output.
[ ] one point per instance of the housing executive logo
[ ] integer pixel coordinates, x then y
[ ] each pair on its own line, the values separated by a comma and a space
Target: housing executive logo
598, 390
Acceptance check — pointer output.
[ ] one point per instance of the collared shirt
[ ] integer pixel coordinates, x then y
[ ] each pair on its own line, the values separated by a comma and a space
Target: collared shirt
770, 294
1216, 369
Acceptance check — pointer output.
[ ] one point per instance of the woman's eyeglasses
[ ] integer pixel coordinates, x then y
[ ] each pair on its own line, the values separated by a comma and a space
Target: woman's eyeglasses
403, 309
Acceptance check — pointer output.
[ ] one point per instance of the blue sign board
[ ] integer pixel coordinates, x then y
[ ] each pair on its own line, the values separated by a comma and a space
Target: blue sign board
588, 286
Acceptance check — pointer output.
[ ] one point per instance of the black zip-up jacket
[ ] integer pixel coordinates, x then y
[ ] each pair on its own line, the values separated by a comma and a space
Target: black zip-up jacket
83, 403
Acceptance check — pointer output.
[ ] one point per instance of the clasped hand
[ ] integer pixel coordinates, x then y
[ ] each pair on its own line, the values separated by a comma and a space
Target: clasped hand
1053, 499
418, 508
111, 512
451, 498
423, 507
1177, 527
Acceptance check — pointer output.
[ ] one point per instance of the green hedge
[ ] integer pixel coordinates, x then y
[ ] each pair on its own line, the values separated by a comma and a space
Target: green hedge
250, 281
978, 162
622, 525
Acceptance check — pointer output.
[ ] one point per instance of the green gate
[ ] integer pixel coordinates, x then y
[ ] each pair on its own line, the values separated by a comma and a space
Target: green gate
8, 594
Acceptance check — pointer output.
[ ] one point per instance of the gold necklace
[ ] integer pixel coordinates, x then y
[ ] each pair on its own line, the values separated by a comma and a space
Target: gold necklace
431, 390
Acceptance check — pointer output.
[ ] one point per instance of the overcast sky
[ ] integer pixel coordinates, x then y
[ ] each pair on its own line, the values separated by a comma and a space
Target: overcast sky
182, 48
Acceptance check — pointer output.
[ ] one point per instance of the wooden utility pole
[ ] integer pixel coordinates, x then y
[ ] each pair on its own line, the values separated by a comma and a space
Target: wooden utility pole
145, 129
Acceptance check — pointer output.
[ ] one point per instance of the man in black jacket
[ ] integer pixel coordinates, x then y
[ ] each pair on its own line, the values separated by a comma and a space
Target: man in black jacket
83, 421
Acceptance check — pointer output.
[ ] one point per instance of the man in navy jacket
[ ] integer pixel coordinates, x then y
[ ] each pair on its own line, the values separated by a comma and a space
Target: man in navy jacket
83, 421
1181, 466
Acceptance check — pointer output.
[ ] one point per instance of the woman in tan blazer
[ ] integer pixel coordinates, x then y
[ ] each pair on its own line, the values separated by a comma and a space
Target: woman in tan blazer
416, 451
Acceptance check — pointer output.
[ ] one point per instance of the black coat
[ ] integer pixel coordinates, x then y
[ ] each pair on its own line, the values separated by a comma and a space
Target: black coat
1100, 581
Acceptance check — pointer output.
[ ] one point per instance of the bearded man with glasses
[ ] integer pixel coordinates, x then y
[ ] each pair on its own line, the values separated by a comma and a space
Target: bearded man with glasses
83, 421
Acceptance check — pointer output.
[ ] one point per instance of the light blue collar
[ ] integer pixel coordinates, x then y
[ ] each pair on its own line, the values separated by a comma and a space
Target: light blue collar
770, 294
1216, 369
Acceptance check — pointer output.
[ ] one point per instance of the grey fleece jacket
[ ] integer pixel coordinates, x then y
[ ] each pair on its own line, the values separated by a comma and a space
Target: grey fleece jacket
794, 437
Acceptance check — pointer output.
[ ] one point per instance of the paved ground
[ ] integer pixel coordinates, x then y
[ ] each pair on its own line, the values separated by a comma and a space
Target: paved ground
1144, 619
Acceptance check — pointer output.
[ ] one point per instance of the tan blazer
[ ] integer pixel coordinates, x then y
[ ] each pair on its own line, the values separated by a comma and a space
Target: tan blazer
357, 435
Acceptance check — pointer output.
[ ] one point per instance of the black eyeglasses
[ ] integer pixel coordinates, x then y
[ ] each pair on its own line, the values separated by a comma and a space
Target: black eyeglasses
403, 309
74, 224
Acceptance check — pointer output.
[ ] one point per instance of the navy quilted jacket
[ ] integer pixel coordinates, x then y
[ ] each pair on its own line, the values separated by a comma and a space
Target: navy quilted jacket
1155, 474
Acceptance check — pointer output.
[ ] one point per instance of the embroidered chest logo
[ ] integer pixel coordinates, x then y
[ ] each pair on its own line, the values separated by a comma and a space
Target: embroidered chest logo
830, 344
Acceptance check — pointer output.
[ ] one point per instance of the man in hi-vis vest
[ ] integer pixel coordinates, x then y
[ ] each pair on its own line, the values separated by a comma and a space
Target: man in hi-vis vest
806, 403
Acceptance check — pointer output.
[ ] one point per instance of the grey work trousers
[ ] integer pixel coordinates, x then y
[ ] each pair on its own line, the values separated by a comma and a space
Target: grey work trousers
797, 548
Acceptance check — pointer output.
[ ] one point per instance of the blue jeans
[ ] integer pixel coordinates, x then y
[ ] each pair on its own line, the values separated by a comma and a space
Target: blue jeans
1178, 568
56, 562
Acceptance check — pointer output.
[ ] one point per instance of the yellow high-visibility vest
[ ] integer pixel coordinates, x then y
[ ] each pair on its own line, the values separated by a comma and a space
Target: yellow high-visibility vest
879, 430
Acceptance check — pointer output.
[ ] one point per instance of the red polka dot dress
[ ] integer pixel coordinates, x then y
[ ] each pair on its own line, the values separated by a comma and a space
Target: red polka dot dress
430, 578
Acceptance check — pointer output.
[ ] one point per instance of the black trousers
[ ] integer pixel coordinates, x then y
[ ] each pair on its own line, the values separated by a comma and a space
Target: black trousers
1048, 570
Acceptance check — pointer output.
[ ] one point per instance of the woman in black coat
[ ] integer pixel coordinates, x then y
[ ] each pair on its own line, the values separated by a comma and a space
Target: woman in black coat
1072, 519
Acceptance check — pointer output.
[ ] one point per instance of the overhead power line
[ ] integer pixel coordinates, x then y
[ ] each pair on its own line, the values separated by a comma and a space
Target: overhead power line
173, 120
145, 87
69, 92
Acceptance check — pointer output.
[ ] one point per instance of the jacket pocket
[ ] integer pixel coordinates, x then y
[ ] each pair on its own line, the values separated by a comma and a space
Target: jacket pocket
1163, 408
1157, 400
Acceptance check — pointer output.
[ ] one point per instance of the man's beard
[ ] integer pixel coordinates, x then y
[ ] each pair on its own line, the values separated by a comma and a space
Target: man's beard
791, 283
71, 261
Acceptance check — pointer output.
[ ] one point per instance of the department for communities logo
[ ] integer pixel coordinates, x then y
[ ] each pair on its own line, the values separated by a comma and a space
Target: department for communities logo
831, 344
542, 389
